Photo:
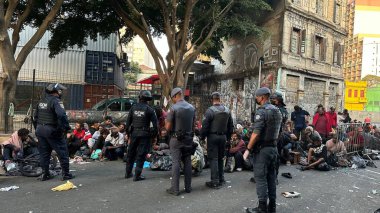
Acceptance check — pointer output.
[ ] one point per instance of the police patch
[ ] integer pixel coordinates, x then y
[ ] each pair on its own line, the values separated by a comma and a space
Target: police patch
42, 105
139, 113
257, 117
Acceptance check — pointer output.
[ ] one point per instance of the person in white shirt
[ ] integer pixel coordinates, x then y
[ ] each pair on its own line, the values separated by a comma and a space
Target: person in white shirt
114, 145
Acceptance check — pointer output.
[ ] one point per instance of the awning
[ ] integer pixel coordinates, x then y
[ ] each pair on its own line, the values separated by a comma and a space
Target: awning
149, 80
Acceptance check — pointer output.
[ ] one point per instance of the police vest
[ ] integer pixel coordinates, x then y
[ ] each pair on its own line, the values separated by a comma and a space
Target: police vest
46, 116
219, 124
273, 120
140, 117
184, 118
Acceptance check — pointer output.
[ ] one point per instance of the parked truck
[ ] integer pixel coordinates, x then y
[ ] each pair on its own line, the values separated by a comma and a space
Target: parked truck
117, 108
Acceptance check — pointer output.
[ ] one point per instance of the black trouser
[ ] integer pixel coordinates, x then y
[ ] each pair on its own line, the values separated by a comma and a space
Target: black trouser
8, 150
99, 144
137, 150
176, 151
50, 139
239, 159
215, 153
74, 146
113, 154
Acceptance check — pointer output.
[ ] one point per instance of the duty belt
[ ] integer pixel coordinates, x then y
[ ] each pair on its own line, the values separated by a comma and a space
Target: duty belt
218, 133
47, 124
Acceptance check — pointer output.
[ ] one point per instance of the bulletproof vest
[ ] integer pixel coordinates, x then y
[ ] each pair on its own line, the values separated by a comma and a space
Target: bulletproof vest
184, 117
45, 114
140, 117
284, 114
273, 120
220, 121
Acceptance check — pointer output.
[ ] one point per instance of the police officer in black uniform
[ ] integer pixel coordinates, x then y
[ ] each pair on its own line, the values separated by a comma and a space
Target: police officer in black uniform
263, 141
180, 122
51, 124
140, 116
217, 127
277, 100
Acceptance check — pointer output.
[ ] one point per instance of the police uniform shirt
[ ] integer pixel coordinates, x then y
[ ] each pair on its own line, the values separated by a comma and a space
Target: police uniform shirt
209, 116
57, 107
137, 110
259, 124
175, 108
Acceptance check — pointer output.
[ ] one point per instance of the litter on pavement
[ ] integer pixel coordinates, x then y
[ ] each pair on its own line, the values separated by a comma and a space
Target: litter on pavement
9, 188
64, 187
291, 194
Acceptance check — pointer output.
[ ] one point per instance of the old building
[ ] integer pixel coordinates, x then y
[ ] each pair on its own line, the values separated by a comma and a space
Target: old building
302, 54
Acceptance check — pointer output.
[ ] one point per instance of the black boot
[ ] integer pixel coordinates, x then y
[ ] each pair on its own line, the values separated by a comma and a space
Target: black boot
138, 176
272, 206
67, 176
45, 176
262, 208
213, 185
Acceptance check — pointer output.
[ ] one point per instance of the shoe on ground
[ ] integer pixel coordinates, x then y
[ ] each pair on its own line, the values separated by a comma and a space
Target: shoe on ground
239, 169
255, 210
188, 190
222, 182
271, 207
128, 175
172, 192
213, 185
68, 176
252, 180
139, 178
287, 175
44, 177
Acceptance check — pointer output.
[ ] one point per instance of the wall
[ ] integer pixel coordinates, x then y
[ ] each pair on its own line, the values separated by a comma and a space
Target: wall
355, 95
371, 57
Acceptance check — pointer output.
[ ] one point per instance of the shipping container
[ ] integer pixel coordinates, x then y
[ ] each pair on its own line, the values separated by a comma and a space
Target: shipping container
101, 44
67, 67
101, 68
96, 93
72, 98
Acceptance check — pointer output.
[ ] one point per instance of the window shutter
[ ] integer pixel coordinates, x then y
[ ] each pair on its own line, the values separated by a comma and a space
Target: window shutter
291, 39
324, 49
314, 43
340, 51
303, 41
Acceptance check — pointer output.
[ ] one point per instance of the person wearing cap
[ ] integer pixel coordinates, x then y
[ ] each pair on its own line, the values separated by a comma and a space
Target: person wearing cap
51, 124
180, 122
278, 100
263, 144
139, 120
217, 127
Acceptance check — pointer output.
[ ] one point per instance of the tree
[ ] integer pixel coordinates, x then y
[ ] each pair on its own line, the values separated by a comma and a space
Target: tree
131, 75
14, 16
191, 27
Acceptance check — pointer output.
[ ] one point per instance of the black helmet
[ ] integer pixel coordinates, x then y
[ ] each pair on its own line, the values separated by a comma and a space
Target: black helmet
51, 88
145, 95
277, 95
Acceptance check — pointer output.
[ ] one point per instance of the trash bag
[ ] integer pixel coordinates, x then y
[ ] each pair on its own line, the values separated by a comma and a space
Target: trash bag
323, 167
161, 162
332, 160
359, 162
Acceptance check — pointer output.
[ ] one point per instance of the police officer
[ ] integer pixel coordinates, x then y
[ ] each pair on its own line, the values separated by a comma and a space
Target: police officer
263, 141
51, 123
277, 100
180, 123
217, 127
140, 116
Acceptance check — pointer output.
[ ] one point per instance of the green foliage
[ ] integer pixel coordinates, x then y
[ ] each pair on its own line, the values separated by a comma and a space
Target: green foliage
86, 18
131, 75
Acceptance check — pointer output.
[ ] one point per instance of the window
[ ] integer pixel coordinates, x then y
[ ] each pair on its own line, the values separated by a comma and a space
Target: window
355, 93
362, 93
238, 84
349, 93
337, 57
297, 42
337, 15
128, 105
319, 7
115, 106
319, 48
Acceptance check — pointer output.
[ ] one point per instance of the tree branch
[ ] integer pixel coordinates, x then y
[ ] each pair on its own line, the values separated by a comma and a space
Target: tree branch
20, 22
185, 27
9, 13
38, 35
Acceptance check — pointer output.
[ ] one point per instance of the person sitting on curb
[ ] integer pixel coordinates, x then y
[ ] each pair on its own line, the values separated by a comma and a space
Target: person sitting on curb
236, 150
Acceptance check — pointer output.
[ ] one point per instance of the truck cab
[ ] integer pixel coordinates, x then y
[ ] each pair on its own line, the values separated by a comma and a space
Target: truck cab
115, 104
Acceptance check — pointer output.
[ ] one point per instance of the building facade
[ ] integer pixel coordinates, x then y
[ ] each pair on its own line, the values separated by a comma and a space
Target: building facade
302, 52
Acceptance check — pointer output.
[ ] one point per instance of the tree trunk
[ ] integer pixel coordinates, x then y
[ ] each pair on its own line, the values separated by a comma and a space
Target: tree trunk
7, 96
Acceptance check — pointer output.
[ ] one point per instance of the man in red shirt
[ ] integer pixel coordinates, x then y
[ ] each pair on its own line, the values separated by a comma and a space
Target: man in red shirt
78, 138
322, 123
333, 117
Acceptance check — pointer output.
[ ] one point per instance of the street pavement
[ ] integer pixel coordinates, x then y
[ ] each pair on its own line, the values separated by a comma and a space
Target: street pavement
102, 188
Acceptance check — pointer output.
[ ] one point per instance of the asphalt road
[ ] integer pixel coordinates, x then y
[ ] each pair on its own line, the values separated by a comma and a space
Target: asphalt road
102, 188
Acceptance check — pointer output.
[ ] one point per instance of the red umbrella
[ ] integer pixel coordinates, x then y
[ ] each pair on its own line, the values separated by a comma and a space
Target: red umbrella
149, 80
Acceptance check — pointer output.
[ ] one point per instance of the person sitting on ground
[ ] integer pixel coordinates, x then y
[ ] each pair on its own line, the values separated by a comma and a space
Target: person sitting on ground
94, 127
236, 150
285, 143
114, 145
107, 123
78, 139
335, 146
100, 137
317, 156
307, 137
19, 145
197, 159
